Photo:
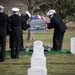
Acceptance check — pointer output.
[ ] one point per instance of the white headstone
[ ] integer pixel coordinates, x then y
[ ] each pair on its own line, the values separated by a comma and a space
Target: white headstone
38, 60
37, 71
73, 45
38, 50
38, 43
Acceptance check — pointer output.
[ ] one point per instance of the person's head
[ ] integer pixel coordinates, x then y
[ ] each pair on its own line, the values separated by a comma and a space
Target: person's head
27, 15
1, 8
50, 13
15, 10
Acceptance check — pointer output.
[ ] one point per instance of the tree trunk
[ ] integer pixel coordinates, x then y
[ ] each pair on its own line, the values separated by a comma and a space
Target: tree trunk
30, 36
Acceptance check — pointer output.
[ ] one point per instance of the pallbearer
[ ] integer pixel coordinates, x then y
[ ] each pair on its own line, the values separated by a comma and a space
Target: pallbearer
16, 32
3, 31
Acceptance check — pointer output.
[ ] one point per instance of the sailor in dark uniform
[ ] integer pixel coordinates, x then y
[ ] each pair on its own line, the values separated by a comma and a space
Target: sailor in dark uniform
16, 33
3, 31
26, 16
59, 26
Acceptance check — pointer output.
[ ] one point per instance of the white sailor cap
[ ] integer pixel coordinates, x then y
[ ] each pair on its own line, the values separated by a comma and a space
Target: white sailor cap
27, 12
1, 7
50, 12
15, 9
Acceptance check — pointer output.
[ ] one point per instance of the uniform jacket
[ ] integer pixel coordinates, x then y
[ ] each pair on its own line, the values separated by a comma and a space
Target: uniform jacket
3, 24
57, 23
16, 29
25, 18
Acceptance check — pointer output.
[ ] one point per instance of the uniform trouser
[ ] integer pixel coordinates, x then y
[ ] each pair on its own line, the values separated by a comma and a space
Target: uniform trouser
57, 41
15, 49
2, 48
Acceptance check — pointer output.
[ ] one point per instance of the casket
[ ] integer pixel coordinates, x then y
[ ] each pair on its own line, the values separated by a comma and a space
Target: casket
37, 24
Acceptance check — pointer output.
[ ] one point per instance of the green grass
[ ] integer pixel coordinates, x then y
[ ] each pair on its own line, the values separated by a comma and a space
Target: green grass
47, 38
56, 64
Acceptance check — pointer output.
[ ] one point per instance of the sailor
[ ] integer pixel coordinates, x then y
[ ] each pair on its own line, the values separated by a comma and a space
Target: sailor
59, 26
16, 32
3, 32
26, 16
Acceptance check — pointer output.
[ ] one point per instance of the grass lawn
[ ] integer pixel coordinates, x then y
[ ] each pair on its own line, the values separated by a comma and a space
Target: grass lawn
56, 64
47, 37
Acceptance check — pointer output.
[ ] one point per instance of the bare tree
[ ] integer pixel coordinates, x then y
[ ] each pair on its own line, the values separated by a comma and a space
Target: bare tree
32, 5
65, 8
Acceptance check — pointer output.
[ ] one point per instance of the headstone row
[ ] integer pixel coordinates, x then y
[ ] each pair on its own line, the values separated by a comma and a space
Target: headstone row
38, 60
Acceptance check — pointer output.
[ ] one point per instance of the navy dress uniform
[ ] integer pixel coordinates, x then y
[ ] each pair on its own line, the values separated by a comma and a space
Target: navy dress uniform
4, 19
59, 26
16, 33
26, 16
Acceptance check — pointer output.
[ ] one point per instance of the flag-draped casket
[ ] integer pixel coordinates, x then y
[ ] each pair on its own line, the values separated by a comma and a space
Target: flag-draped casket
37, 24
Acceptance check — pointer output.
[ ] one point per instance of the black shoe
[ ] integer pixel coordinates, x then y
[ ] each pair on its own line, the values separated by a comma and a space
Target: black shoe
12, 57
16, 57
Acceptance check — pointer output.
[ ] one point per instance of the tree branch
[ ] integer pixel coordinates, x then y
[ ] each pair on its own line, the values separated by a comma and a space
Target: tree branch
39, 3
26, 2
56, 1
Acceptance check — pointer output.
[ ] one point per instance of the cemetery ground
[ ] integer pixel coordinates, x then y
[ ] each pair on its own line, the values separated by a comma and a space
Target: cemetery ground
56, 64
